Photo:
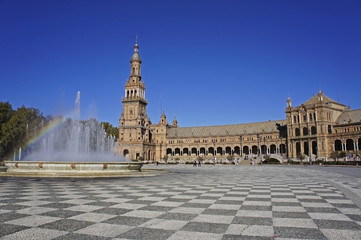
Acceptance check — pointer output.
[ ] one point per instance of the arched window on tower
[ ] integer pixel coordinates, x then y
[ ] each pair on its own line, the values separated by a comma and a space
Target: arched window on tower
329, 129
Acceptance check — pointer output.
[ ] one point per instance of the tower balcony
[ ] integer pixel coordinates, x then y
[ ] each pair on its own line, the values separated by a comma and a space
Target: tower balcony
133, 99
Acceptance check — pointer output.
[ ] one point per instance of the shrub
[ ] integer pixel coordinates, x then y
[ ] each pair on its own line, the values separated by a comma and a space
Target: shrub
342, 154
271, 161
301, 157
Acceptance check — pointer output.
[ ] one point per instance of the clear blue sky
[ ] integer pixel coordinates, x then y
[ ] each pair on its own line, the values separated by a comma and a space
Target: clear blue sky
208, 62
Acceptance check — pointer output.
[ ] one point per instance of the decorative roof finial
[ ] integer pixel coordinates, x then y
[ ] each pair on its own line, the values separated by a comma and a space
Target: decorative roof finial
289, 102
136, 47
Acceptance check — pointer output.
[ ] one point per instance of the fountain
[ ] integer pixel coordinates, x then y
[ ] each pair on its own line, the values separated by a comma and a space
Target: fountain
71, 147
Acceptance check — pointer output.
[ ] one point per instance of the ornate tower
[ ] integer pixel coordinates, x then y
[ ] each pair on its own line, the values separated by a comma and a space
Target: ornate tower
135, 140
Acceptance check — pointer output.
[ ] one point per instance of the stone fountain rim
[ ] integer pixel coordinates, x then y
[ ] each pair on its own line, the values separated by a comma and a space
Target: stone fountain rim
83, 174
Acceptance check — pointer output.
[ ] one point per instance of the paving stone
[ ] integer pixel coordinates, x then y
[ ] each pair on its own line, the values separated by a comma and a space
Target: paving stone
334, 224
66, 225
298, 233
252, 221
178, 216
181, 235
35, 234
6, 229
146, 233
290, 215
211, 202
123, 220
205, 227
78, 236
8, 216
104, 230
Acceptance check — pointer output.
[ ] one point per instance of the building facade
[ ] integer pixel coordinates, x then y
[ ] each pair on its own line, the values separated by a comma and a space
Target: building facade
317, 128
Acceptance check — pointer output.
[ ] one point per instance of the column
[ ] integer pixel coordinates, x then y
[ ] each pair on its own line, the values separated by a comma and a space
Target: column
309, 148
355, 144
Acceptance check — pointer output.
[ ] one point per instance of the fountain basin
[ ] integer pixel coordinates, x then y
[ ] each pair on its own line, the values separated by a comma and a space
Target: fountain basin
72, 169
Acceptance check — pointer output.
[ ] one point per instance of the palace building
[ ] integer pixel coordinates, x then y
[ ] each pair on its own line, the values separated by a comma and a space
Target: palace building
317, 128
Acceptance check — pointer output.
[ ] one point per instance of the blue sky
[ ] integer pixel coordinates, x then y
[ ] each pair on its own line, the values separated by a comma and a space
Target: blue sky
205, 62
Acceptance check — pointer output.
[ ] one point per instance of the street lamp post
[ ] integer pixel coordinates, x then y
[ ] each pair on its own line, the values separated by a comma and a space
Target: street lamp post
214, 152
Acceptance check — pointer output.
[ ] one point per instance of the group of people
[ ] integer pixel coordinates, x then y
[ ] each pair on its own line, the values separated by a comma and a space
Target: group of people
195, 163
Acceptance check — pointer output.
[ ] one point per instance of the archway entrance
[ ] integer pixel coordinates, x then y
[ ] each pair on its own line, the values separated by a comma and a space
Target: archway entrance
338, 145
126, 153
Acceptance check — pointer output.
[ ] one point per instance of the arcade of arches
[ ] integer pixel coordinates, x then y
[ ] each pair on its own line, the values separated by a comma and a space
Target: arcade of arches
226, 151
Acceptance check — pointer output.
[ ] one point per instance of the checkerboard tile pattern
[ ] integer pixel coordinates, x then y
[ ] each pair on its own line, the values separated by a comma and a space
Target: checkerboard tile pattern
207, 202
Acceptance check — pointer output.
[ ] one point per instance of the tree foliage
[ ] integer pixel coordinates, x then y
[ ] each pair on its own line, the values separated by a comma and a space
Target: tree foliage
110, 130
17, 127
336, 155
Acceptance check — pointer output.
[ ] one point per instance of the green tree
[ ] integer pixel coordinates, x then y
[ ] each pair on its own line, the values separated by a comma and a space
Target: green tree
110, 130
23, 125
335, 155
343, 154
6, 111
301, 157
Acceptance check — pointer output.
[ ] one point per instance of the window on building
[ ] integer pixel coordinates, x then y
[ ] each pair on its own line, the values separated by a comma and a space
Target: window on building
305, 131
329, 129
313, 130
297, 132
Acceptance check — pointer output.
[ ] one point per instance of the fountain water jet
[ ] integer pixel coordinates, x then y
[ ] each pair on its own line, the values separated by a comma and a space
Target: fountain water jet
75, 140
73, 147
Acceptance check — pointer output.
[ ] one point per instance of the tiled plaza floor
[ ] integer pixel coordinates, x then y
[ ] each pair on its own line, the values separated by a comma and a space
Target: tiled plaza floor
208, 202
